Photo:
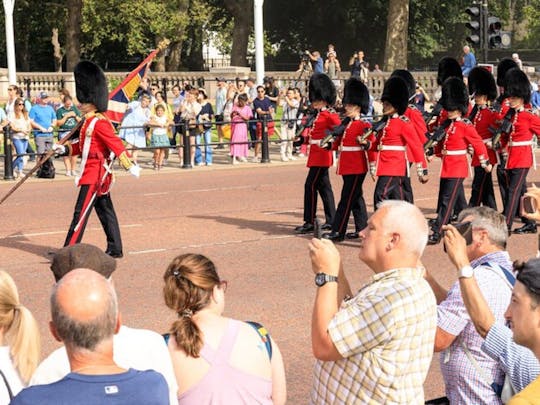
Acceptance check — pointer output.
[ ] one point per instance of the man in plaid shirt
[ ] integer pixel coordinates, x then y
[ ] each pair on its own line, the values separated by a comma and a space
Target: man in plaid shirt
374, 347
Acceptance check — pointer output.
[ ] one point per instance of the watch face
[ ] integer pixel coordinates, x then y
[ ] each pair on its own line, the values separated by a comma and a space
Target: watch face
320, 279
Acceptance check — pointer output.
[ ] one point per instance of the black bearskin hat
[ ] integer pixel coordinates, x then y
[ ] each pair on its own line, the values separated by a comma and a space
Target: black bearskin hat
504, 66
321, 88
408, 78
454, 95
356, 93
517, 85
448, 67
482, 83
91, 85
396, 93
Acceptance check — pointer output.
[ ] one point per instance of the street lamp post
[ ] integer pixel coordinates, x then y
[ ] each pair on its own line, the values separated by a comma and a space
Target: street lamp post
10, 41
259, 39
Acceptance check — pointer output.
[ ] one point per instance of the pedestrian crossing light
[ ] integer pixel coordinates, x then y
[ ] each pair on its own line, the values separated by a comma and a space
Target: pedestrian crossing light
475, 36
494, 33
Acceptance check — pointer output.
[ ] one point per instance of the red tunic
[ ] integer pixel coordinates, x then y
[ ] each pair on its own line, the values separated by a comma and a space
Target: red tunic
392, 143
103, 141
321, 157
417, 120
519, 141
453, 149
484, 119
352, 157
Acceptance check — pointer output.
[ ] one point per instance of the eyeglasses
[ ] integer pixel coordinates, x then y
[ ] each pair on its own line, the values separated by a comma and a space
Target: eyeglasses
20, 104
223, 285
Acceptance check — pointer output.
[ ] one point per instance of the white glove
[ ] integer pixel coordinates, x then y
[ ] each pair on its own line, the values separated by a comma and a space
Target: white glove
59, 149
135, 170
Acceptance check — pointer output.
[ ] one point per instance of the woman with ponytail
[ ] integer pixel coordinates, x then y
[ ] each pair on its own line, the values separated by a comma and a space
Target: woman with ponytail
19, 341
217, 360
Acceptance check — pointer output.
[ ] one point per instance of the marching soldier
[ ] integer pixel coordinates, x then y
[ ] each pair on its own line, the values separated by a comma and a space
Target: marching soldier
459, 134
322, 94
391, 166
98, 146
482, 86
517, 143
352, 163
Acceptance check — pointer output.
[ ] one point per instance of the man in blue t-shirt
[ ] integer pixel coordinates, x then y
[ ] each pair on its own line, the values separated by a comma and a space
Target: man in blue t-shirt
316, 61
262, 106
85, 317
43, 120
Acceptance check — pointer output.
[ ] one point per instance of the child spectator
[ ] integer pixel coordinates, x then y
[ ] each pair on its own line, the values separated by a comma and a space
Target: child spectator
159, 138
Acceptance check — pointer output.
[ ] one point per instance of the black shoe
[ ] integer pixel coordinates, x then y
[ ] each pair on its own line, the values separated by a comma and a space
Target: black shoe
527, 228
334, 236
454, 218
220, 146
431, 222
326, 227
306, 228
434, 238
352, 235
115, 255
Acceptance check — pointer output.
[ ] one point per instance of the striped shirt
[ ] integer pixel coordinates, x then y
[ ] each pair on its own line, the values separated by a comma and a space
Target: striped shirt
464, 384
385, 335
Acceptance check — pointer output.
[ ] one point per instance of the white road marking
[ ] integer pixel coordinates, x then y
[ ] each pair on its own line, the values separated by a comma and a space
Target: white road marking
140, 252
153, 194
28, 235
281, 212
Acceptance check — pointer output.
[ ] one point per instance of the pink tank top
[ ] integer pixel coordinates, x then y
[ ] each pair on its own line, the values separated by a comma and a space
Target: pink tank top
224, 384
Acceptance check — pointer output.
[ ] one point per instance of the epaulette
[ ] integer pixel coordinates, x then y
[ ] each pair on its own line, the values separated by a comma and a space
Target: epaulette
466, 121
413, 107
404, 118
366, 119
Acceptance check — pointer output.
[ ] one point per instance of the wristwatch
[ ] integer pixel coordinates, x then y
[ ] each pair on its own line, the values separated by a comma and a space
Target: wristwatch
323, 278
466, 272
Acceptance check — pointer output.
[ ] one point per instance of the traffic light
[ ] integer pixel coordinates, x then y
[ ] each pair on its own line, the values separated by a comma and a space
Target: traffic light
475, 37
494, 33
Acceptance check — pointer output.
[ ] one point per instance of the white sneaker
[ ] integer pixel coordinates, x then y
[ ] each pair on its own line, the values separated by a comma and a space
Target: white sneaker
68, 173
242, 159
284, 158
234, 161
301, 155
291, 157
256, 159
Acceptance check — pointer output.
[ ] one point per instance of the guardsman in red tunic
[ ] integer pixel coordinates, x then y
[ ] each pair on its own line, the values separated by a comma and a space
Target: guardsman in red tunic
459, 134
98, 146
352, 163
391, 144
518, 145
482, 86
417, 120
322, 95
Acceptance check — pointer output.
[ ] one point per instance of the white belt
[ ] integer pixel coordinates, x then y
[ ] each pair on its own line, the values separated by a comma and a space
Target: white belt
487, 140
392, 147
455, 152
315, 141
350, 148
520, 143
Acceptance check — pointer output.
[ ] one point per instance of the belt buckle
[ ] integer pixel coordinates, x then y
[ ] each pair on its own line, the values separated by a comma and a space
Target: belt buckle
380, 147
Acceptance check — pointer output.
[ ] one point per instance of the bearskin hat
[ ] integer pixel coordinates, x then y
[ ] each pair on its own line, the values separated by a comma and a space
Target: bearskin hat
482, 82
517, 85
448, 67
396, 93
356, 93
454, 95
408, 78
91, 85
321, 88
504, 66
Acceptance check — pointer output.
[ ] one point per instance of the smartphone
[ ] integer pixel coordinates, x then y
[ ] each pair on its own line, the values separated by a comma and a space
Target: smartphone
317, 231
465, 229
529, 204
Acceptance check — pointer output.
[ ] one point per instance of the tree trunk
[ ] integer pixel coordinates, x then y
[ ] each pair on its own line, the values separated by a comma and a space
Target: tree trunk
73, 33
174, 61
57, 50
242, 12
159, 65
395, 51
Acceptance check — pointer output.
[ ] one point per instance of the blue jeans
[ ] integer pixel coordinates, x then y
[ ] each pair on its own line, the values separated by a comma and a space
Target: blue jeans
207, 134
20, 148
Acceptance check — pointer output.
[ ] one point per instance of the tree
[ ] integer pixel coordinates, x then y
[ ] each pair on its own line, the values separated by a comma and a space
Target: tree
73, 33
395, 51
242, 12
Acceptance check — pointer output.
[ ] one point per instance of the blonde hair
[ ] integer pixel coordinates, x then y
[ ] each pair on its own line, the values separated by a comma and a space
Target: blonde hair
20, 328
189, 283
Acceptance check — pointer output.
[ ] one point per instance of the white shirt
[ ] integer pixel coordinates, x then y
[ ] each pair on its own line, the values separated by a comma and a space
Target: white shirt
140, 349
11, 374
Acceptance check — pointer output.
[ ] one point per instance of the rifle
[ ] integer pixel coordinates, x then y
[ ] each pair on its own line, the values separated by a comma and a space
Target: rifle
338, 130
435, 112
298, 139
41, 161
505, 127
374, 129
438, 135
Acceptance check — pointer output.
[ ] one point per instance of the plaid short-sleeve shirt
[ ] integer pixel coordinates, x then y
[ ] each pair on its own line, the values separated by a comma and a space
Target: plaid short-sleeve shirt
386, 335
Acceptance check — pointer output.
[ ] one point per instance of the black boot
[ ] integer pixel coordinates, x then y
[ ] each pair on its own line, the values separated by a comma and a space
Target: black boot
527, 228
305, 228
434, 238
352, 235
334, 236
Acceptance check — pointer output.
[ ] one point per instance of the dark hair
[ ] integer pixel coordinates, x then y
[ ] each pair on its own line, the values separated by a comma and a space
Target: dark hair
260, 86
528, 273
243, 97
189, 283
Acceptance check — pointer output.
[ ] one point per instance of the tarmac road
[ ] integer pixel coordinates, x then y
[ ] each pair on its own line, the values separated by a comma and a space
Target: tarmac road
242, 217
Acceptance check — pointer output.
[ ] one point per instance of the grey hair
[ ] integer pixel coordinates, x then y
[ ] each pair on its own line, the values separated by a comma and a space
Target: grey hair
490, 220
89, 334
408, 221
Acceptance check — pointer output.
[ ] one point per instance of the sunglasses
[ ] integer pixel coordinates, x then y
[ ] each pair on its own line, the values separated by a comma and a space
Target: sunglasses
20, 104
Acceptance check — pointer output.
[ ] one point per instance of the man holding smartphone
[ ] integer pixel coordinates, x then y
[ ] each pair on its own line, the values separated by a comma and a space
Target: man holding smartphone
470, 375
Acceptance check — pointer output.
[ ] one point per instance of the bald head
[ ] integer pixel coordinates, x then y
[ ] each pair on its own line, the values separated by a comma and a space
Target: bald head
84, 309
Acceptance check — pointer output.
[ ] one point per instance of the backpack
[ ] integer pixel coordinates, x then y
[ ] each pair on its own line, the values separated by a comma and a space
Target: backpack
47, 170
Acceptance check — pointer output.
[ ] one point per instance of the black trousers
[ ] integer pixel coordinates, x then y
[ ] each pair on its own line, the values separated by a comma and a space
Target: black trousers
407, 187
352, 199
450, 192
482, 189
107, 216
318, 182
517, 186
502, 179
388, 188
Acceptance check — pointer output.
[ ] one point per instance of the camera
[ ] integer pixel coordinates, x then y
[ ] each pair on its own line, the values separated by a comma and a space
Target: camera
304, 56
465, 229
290, 124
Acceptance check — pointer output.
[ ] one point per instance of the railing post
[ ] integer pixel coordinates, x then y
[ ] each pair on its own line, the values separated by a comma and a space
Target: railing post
187, 147
8, 156
265, 157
